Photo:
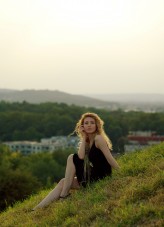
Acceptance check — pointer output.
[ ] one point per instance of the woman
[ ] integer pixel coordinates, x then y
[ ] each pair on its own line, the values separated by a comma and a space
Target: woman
93, 161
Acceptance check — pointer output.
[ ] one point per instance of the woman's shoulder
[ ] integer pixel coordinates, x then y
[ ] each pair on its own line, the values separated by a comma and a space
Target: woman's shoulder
99, 138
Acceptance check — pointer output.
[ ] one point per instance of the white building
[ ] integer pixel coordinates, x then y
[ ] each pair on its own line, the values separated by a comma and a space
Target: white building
46, 144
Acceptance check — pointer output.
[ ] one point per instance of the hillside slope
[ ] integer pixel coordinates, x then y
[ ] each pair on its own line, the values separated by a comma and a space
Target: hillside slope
40, 96
132, 197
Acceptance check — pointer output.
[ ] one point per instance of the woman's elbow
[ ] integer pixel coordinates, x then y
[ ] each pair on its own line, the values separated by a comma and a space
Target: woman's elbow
81, 156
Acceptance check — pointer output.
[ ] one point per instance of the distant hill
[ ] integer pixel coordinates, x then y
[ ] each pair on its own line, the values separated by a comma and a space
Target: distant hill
127, 98
143, 102
40, 96
126, 102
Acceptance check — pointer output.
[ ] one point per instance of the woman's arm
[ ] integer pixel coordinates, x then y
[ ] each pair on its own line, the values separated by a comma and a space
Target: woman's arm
81, 151
102, 145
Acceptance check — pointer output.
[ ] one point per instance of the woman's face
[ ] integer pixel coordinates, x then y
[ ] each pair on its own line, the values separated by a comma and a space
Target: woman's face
89, 125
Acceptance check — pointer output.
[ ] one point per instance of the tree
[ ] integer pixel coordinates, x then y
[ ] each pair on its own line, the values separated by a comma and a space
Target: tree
16, 185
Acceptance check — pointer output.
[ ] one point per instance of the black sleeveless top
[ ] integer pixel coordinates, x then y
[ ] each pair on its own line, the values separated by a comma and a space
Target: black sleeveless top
99, 169
101, 166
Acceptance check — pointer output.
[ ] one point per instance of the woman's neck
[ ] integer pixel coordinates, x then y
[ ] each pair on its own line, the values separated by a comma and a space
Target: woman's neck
91, 137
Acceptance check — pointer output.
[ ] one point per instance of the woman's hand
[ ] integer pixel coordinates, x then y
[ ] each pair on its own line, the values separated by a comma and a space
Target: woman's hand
83, 133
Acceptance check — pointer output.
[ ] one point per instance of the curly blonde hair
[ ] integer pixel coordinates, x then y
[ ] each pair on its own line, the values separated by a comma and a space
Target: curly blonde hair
99, 127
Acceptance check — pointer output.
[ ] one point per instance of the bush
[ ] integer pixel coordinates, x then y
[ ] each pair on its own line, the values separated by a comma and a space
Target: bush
16, 185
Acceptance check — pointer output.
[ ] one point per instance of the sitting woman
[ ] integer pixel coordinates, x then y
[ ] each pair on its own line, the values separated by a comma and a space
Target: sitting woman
93, 162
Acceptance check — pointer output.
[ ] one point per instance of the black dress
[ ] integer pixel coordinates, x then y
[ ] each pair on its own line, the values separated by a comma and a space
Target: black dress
99, 169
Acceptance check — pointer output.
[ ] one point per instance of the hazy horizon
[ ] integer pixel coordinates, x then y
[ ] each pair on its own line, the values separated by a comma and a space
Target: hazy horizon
99, 94
82, 47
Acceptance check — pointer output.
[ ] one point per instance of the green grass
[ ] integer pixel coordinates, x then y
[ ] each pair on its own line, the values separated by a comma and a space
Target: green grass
134, 196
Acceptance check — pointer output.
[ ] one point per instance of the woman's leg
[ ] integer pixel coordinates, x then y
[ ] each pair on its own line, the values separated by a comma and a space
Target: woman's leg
64, 185
53, 195
69, 176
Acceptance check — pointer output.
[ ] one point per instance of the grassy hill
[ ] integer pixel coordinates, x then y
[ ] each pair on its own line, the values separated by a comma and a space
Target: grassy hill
134, 196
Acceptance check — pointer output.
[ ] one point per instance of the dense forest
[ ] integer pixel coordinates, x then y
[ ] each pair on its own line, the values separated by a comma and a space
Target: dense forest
20, 175
25, 121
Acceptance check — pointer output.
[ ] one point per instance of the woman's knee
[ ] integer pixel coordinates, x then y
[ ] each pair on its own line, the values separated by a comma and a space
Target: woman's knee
70, 158
61, 182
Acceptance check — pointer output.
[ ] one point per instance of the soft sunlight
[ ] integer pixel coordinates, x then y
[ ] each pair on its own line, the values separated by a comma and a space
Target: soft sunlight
45, 40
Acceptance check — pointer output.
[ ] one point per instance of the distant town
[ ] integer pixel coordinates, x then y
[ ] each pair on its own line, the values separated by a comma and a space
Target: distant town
140, 139
136, 140
46, 144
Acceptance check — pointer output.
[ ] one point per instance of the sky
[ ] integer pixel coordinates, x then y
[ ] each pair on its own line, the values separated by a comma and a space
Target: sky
82, 46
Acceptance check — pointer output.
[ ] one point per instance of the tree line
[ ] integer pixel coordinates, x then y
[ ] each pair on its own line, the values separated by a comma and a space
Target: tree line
25, 121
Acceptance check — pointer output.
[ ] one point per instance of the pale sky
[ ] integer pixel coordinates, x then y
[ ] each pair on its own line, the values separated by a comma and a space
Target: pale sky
85, 46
